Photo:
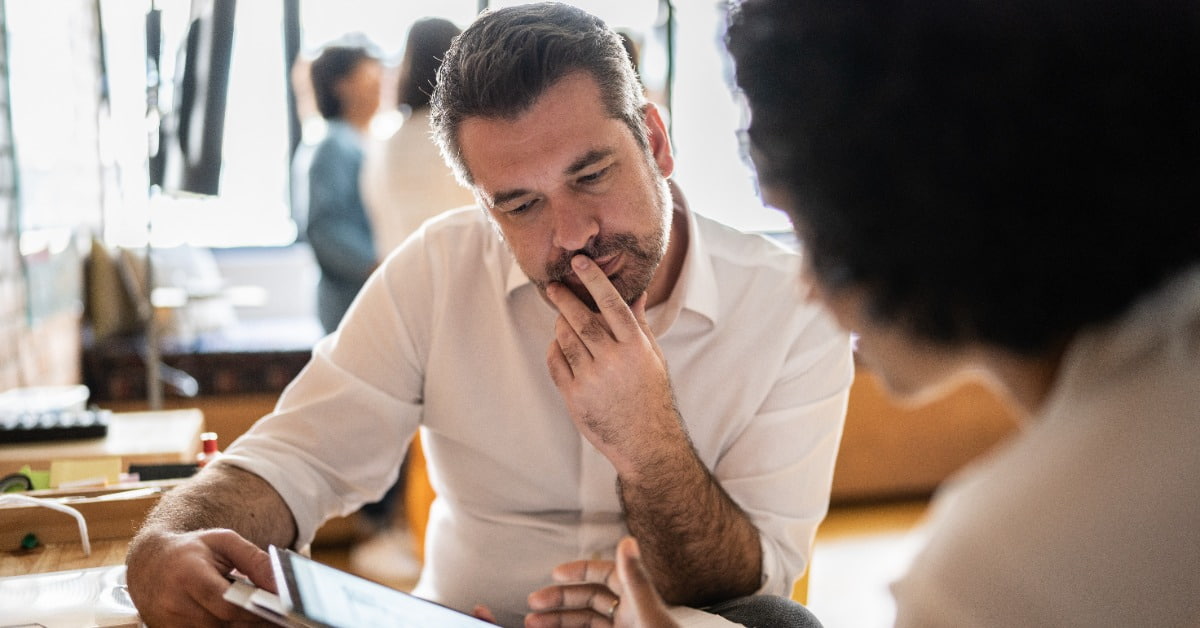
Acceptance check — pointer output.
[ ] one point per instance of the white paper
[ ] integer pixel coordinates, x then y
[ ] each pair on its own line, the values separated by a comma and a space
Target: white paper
68, 599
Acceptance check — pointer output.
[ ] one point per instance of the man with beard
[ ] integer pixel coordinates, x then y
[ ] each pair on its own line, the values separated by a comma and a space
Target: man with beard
585, 262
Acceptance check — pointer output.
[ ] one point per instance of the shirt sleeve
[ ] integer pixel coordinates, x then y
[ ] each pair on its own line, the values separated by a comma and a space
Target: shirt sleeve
780, 468
341, 429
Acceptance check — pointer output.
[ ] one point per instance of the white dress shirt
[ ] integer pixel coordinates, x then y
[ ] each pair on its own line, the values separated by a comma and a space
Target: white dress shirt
450, 336
1091, 516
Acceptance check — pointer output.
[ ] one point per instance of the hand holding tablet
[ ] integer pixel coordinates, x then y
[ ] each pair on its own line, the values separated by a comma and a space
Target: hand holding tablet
315, 595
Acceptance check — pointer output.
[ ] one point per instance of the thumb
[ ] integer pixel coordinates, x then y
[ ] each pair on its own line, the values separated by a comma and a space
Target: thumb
234, 552
640, 603
630, 570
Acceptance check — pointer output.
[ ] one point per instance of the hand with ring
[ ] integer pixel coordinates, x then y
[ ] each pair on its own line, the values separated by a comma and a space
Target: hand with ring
600, 593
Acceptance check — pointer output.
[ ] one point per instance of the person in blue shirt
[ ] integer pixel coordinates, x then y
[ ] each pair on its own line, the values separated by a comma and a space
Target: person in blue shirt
345, 81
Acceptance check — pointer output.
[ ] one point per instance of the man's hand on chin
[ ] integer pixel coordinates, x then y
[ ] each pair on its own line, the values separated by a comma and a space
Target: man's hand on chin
612, 373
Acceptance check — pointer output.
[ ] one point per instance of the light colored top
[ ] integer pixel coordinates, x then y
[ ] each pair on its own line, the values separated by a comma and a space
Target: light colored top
405, 181
1091, 517
452, 336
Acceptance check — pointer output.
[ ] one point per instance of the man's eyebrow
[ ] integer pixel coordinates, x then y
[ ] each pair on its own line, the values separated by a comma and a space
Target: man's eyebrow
503, 197
592, 156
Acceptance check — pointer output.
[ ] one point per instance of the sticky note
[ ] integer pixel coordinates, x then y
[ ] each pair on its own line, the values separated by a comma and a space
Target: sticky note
85, 472
40, 479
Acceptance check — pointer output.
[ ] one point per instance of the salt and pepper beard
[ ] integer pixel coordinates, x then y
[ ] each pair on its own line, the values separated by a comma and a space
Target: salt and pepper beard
641, 257
640, 262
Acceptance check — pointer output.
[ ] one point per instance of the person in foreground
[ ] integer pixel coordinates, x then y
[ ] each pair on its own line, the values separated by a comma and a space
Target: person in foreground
1010, 188
566, 353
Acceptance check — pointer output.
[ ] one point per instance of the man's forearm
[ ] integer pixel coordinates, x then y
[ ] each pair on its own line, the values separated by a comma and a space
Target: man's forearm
198, 534
224, 496
698, 544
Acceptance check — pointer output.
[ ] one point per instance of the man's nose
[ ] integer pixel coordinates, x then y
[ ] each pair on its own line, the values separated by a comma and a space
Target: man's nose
574, 227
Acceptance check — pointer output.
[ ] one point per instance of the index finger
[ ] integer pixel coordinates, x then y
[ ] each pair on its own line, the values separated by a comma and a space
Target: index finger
612, 305
596, 571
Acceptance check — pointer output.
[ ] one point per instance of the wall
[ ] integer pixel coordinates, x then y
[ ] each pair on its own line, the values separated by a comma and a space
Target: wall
898, 450
288, 274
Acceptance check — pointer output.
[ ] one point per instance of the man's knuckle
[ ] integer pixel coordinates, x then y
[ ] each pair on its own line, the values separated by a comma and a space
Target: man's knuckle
611, 301
593, 330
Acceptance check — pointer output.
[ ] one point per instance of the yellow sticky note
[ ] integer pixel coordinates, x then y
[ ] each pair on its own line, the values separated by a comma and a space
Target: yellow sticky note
40, 479
85, 472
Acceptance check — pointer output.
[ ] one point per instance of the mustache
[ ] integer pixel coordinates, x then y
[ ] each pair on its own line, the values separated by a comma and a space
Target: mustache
560, 269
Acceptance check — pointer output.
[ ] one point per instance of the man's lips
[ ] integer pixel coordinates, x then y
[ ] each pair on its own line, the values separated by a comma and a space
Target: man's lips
608, 263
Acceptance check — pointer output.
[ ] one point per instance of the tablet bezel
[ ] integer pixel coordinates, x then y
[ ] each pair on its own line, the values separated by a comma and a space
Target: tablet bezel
282, 563
285, 581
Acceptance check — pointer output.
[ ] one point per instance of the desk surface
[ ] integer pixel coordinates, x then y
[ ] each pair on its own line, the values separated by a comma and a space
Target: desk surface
170, 436
63, 557
91, 595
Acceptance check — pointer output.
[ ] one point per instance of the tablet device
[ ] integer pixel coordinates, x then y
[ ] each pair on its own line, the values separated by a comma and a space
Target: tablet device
314, 594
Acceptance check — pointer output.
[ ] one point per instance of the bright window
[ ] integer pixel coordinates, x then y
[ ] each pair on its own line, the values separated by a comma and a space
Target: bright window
253, 206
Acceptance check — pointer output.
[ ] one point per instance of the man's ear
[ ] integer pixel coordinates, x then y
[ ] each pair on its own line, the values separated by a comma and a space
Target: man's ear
660, 142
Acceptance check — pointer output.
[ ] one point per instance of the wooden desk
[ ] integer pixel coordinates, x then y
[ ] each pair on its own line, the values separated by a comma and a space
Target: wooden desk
63, 557
136, 437
114, 512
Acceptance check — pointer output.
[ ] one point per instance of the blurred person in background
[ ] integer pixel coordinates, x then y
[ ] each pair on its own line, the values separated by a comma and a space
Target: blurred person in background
346, 86
404, 179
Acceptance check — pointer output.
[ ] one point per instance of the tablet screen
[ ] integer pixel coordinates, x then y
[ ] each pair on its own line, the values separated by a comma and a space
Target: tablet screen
331, 597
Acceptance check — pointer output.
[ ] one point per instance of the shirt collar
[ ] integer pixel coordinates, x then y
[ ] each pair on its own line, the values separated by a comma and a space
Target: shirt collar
695, 290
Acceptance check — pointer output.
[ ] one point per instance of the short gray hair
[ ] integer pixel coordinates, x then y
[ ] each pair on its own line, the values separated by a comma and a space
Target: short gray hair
506, 59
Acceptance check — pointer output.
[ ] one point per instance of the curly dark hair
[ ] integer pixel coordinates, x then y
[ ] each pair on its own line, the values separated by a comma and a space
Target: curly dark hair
507, 58
1007, 172
332, 65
